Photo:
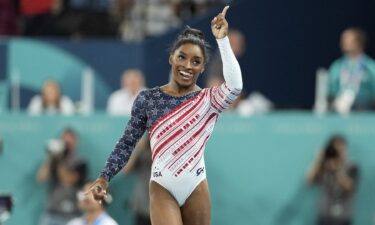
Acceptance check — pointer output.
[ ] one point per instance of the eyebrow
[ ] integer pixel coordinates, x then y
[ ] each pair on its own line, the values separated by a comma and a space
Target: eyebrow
196, 57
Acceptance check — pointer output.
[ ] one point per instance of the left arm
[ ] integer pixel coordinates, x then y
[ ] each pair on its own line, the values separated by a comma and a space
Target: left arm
231, 68
227, 93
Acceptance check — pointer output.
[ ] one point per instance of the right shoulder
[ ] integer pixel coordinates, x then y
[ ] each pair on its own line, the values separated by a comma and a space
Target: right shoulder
36, 98
35, 105
337, 63
117, 94
111, 221
149, 93
76, 221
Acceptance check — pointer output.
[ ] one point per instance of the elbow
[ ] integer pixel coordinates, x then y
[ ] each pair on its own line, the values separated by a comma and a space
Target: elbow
235, 84
40, 179
238, 86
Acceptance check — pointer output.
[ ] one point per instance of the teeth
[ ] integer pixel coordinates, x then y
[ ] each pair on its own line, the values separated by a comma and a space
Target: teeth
186, 74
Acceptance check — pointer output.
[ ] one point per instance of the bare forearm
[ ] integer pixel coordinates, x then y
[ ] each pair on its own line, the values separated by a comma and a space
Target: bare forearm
313, 174
44, 172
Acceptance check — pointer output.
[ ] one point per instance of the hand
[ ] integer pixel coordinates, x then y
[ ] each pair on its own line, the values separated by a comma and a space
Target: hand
319, 157
219, 24
98, 189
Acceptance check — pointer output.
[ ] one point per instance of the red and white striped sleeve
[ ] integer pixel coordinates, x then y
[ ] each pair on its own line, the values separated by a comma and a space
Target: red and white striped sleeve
225, 94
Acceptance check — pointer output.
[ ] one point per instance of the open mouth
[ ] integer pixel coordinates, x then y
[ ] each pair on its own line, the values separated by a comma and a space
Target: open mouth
185, 75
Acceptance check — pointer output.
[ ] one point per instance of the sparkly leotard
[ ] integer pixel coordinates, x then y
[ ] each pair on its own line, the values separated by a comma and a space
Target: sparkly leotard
179, 128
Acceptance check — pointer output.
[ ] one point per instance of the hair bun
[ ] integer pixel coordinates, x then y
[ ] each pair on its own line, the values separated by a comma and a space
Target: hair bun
188, 31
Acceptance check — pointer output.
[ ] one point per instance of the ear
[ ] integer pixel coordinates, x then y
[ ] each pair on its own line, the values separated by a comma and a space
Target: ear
170, 59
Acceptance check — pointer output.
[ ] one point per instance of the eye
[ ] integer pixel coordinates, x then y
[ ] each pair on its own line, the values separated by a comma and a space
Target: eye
180, 57
196, 62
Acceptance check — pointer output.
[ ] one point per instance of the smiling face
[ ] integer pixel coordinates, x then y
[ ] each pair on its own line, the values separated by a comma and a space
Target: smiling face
187, 63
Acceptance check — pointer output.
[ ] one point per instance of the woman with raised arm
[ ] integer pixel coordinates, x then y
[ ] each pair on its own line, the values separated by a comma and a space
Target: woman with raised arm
179, 118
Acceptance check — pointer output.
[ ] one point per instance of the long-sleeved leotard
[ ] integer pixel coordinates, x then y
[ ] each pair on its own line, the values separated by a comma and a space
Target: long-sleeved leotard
179, 129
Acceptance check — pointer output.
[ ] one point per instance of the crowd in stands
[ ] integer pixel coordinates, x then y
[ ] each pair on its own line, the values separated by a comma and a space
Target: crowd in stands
127, 19
350, 83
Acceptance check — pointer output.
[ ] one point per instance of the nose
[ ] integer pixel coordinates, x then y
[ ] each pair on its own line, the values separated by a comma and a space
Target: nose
187, 64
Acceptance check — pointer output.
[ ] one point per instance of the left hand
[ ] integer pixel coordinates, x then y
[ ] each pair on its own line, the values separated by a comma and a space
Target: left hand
98, 189
219, 24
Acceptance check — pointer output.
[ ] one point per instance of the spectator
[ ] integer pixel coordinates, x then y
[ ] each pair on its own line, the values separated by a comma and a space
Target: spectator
120, 102
140, 163
66, 173
337, 179
93, 212
50, 101
352, 77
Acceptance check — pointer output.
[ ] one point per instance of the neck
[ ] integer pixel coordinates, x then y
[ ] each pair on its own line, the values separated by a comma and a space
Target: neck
177, 89
91, 216
354, 55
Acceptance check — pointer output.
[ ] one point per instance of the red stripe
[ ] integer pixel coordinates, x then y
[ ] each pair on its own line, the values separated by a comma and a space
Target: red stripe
178, 131
172, 112
173, 162
178, 122
163, 142
204, 143
198, 132
219, 106
196, 123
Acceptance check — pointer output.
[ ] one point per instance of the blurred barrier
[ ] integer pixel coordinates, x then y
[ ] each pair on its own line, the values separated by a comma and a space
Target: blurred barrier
255, 166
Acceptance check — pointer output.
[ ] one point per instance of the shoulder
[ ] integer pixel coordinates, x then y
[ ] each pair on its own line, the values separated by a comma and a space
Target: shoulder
109, 221
370, 64
369, 59
117, 93
66, 99
76, 221
36, 99
337, 63
143, 96
149, 93
35, 105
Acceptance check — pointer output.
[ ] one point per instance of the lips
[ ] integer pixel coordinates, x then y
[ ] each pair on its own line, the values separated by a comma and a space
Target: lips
185, 75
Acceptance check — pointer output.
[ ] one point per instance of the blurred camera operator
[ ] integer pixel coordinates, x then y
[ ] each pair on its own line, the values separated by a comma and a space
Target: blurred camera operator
65, 173
337, 179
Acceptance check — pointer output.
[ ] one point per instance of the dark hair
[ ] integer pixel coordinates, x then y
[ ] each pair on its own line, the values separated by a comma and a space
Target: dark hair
69, 130
361, 36
331, 151
336, 137
193, 36
72, 132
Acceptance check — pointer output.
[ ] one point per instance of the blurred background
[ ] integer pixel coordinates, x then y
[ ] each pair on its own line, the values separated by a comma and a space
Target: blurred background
296, 149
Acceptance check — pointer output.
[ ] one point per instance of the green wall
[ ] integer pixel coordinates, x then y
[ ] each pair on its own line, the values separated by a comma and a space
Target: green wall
255, 165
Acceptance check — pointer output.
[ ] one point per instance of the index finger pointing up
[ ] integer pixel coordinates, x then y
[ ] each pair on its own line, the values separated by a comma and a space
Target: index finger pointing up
224, 12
